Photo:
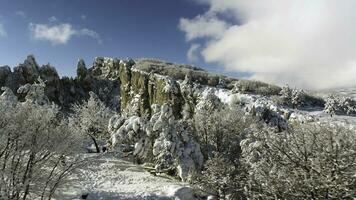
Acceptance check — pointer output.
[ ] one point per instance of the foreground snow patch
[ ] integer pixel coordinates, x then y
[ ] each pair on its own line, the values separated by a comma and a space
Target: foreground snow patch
107, 177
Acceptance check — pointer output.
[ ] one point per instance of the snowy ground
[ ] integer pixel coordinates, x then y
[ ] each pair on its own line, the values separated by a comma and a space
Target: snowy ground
350, 92
322, 116
107, 178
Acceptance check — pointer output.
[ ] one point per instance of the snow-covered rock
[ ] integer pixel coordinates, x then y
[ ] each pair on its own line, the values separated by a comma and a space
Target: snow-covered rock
8, 97
35, 92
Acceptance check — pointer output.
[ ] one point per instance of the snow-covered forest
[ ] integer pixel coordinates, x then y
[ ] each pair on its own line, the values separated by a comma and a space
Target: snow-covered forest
148, 129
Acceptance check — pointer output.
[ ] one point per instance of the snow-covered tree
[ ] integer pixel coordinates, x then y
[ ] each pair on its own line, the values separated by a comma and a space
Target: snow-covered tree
36, 146
349, 105
162, 140
340, 105
92, 119
331, 105
219, 133
222, 178
310, 161
292, 97
220, 130
298, 98
286, 93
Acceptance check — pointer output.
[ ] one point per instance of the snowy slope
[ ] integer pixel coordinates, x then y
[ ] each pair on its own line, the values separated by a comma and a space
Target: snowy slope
307, 114
107, 178
350, 92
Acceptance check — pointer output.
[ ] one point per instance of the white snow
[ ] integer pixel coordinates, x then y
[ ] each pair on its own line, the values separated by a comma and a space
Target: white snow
224, 95
107, 178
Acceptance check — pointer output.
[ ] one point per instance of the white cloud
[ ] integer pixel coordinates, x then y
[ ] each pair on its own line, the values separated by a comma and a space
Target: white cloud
3, 32
309, 44
20, 13
202, 26
52, 19
57, 34
60, 33
90, 33
83, 17
193, 53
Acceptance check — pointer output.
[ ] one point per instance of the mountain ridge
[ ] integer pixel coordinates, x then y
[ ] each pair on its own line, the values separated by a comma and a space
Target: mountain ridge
111, 78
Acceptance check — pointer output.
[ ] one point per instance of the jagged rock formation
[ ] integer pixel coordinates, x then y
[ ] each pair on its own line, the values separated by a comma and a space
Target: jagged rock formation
162, 139
63, 91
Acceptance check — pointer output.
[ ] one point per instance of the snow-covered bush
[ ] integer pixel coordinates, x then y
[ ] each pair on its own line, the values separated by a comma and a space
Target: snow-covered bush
222, 178
310, 161
162, 140
292, 97
91, 119
297, 98
273, 117
219, 133
286, 94
35, 93
221, 130
208, 101
240, 100
36, 146
340, 105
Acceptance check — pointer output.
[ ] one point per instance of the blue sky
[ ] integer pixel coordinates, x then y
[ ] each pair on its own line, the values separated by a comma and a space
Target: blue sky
302, 43
114, 28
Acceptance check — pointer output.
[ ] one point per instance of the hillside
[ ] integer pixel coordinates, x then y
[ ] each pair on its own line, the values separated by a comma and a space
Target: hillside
174, 123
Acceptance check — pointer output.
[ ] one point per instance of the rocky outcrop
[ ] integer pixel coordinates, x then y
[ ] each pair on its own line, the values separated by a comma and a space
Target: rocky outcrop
28, 73
63, 91
5, 73
149, 89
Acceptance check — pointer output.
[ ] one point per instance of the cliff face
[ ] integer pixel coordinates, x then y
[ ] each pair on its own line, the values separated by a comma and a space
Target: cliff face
148, 89
135, 90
